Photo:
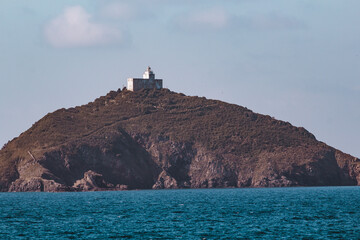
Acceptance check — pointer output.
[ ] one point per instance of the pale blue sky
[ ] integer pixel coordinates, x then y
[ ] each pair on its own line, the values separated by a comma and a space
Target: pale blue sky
298, 61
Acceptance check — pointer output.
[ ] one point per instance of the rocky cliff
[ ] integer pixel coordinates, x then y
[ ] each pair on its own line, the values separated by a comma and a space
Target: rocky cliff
161, 139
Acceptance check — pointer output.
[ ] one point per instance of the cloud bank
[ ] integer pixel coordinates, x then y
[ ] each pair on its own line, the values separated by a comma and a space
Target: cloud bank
212, 19
74, 28
271, 21
117, 10
215, 19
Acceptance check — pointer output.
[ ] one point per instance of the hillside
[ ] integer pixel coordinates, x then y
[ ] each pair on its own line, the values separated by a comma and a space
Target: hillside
162, 139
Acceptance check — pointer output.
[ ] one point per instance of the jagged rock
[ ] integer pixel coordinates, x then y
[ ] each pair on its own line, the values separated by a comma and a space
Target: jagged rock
165, 181
37, 185
121, 187
91, 181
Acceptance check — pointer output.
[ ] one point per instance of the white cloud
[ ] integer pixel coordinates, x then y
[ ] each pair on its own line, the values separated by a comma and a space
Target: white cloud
117, 10
219, 19
74, 28
274, 21
215, 18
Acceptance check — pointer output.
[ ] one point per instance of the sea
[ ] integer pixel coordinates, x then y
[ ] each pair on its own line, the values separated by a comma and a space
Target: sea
253, 213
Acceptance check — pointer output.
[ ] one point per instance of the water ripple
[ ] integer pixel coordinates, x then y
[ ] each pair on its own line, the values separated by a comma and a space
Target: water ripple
276, 213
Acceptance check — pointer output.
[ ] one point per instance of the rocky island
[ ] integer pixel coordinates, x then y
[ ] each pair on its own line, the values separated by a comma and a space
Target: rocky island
158, 139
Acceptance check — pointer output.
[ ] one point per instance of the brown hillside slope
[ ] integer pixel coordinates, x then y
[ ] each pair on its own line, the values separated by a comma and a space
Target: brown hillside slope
161, 139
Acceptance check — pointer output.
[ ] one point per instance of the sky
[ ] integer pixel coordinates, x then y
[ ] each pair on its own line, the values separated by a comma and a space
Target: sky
297, 61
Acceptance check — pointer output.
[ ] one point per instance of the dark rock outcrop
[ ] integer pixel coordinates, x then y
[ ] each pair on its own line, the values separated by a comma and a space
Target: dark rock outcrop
161, 139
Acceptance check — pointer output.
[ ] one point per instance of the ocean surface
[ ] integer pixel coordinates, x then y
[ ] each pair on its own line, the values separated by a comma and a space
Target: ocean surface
267, 213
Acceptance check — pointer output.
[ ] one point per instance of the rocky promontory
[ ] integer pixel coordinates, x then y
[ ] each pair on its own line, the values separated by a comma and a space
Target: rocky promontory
156, 139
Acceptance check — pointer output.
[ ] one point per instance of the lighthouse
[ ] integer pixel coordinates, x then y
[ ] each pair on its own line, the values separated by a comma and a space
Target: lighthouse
147, 82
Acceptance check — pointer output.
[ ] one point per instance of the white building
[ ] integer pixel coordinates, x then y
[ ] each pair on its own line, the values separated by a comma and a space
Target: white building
147, 82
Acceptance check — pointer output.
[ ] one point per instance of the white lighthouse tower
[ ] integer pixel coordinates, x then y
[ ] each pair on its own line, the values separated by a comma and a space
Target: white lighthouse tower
148, 74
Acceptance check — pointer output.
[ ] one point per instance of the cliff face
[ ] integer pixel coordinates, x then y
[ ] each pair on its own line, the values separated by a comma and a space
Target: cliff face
161, 139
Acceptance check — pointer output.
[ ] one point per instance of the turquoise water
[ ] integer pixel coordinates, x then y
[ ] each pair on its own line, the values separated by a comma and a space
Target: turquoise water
273, 213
